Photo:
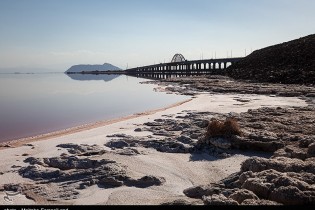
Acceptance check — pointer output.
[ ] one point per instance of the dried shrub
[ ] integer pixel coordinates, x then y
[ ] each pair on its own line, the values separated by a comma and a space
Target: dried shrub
214, 128
227, 128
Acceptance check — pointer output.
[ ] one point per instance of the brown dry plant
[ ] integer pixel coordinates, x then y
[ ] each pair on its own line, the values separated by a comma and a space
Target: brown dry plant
217, 128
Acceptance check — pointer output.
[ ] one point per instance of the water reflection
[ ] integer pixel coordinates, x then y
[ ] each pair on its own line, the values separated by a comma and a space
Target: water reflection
157, 76
41, 103
86, 77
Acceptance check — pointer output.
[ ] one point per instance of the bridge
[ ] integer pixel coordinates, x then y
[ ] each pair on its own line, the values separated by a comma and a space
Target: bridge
179, 65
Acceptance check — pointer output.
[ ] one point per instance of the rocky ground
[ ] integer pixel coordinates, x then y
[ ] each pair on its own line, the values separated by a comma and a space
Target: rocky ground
287, 134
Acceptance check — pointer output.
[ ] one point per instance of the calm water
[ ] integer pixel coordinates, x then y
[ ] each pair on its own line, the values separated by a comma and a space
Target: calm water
32, 104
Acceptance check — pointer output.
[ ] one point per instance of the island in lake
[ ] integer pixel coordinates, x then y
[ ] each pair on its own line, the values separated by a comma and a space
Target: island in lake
93, 69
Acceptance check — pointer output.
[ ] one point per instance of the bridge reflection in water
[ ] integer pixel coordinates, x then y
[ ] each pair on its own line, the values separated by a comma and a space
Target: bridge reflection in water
158, 76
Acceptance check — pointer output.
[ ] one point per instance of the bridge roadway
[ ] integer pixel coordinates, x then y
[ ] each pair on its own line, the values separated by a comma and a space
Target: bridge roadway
194, 66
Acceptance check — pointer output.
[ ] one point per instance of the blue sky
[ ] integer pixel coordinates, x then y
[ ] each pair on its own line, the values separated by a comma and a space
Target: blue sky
57, 34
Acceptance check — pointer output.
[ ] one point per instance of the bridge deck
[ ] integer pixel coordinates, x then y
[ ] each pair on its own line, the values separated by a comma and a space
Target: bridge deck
184, 66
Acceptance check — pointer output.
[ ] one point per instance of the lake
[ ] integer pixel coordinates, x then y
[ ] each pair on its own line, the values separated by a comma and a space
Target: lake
33, 104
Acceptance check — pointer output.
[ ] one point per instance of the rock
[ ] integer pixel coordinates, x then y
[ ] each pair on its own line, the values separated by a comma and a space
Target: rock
138, 130
281, 164
120, 135
7, 145
201, 123
174, 147
291, 151
222, 143
202, 190
184, 139
153, 124
218, 200
260, 202
37, 172
195, 136
257, 187
110, 182
311, 150
33, 161
181, 202
304, 143
291, 195
148, 181
128, 151
144, 182
287, 188
67, 163
83, 149
162, 133
120, 144
242, 195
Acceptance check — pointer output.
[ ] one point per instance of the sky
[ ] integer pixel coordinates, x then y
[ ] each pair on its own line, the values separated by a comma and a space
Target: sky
54, 35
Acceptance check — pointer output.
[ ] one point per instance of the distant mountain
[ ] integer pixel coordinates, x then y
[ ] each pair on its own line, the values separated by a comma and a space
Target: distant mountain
88, 67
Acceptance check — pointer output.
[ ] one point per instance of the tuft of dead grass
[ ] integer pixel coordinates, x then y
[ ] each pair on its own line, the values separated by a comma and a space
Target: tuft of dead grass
217, 128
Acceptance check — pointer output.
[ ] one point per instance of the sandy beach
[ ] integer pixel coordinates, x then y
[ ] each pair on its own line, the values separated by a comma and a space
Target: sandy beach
175, 171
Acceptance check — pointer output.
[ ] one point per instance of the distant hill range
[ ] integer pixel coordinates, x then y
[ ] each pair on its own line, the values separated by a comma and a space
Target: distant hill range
90, 68
290, 62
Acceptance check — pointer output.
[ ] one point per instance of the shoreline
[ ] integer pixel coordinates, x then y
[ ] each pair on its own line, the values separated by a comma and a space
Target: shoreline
19, 142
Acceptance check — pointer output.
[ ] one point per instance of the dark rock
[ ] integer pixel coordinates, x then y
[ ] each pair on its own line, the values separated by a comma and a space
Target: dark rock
83, 149
221, 143
120, 144
201, 123
146, 181
33, 161
153, 124
184, 139
120, 135
110, 182
67, 163
311, 150
138, 130
150, 181
199, 191
36, 172
128, 152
